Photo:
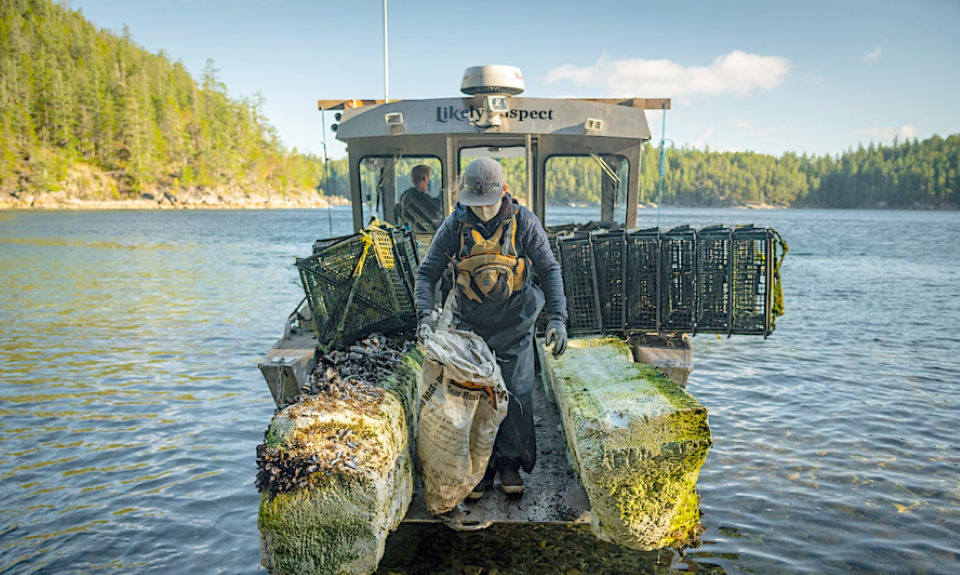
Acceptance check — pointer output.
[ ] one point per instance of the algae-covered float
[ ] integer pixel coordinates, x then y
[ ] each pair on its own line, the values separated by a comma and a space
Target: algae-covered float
621, 442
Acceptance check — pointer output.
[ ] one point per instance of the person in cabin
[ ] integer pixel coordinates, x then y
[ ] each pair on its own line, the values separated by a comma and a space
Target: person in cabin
416, 208
491, 241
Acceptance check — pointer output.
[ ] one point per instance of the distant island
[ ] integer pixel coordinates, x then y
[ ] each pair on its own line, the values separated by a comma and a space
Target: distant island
90, 119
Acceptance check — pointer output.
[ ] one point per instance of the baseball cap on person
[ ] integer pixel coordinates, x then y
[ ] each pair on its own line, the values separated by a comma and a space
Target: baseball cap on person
482, 183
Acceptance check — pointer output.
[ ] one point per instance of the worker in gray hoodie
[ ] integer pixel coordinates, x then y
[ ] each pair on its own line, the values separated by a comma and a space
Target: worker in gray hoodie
490, 242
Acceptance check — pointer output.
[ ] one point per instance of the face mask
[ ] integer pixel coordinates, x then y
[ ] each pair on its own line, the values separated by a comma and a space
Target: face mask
486, 213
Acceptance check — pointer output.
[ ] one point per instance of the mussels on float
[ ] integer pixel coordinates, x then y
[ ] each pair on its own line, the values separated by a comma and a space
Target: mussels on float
348, 376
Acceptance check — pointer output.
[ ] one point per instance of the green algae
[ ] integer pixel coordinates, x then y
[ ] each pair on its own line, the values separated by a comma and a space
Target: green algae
777, 309
404, 384
294, 526
654, 500
637, 442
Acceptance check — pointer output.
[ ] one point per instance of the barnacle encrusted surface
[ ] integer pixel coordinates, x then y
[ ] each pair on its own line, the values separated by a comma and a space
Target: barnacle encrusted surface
636, 440
336, 473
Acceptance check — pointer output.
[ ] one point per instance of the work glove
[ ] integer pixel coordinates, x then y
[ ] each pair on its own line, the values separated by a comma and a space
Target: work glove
556, 335
426, 325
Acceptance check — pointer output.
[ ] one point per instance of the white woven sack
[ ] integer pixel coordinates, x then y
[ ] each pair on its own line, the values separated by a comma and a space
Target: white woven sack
462, 401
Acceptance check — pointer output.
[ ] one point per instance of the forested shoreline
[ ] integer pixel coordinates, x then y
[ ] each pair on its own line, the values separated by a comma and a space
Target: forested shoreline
88, 117
910, 174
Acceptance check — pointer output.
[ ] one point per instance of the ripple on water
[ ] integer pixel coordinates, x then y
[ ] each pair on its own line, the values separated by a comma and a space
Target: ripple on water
130, 403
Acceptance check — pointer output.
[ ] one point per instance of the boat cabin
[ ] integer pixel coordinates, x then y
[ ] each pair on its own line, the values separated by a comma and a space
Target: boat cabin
539, 142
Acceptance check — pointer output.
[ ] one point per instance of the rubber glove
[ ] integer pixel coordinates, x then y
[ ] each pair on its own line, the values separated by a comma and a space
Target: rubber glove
557, 335
426, 325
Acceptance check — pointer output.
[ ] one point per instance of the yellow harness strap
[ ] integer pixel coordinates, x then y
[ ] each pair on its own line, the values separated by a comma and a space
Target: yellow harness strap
491, 265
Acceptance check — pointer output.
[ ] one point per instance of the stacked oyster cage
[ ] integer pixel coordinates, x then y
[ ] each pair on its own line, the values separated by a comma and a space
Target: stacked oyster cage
712, 280
360, 284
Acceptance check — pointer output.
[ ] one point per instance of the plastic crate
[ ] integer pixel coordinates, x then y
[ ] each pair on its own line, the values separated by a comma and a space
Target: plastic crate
407, 255
643, 261
322, 244
357, 285
396, 279
751, 280
677, 280
580, 285
610, 252
714, 273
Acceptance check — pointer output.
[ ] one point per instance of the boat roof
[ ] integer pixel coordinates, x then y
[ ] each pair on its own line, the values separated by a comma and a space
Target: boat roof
591, 117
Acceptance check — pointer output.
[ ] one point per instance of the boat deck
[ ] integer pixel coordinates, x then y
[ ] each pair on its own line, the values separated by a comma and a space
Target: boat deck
552, 493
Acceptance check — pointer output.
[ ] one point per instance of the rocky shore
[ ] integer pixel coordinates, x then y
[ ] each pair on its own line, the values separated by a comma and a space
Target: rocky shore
86, 187
224, 198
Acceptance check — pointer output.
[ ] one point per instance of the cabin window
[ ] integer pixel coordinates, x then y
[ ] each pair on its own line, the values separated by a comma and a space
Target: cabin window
513, 160
417, 205
583, 189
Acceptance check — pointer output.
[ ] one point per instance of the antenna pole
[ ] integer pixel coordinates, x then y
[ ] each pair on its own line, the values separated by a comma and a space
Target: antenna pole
386, 61
663, 141
326, 169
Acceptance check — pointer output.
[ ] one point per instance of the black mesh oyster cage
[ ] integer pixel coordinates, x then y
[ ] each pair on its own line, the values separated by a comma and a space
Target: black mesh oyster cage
734, 279
609, 252
360, 284
713, 280
579, 272
713, 269
753, 277
642, 272
677, 280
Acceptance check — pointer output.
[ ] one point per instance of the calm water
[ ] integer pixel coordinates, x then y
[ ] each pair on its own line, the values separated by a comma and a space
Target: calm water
131, 403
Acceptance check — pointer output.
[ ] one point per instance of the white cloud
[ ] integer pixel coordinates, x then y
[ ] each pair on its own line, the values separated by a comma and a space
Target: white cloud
908, 132
873, 55
708, 133
737, 73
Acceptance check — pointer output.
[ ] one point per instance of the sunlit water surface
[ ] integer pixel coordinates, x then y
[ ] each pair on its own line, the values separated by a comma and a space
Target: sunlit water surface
131, 403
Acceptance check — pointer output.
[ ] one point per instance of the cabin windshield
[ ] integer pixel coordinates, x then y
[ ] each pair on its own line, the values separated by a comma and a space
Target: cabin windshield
390, 180
513, 160
581, 189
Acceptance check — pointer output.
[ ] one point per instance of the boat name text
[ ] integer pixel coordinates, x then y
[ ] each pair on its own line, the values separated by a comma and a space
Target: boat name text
447, 113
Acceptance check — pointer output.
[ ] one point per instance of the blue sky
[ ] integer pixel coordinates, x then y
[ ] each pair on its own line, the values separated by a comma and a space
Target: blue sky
805, 76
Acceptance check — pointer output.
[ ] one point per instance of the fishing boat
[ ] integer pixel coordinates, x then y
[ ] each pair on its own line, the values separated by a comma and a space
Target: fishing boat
620, 440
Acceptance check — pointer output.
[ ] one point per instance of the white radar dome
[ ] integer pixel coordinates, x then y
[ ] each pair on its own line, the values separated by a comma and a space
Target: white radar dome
492, 80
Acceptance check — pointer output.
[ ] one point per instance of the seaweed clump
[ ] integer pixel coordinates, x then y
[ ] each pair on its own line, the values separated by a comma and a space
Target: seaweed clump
345, 381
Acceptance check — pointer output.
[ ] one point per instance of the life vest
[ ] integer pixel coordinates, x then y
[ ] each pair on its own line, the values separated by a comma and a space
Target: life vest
490, 269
